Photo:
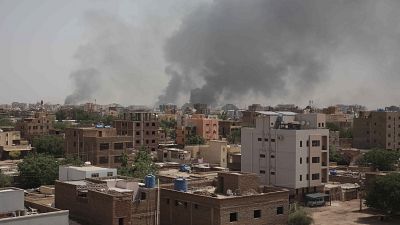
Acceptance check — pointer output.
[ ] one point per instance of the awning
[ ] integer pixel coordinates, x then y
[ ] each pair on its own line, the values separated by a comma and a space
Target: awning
316, 195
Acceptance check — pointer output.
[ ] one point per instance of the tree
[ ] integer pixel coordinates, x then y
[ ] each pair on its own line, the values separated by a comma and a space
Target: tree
300, 217
381, 159
384, 193
195, 140
235, 137
37, 170
73, 161
52, 145
168, 126
334, 156
6, 122
5, 181
14, 154
61, 125
143, 164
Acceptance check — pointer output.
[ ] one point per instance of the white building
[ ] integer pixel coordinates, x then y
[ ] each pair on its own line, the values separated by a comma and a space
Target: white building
287, 150
14, 212
70, 173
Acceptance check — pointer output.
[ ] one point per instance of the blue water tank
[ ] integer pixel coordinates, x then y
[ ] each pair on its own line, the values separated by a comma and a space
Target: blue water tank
150, 181
184, 168
333, 172
180, 184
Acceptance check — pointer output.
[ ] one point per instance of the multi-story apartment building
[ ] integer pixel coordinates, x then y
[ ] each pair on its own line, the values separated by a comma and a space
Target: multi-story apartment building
100, 146
142, 126
227, 126
237, 198
196, 124
201, 108
40, 124
10, 141
377, 129
287, 150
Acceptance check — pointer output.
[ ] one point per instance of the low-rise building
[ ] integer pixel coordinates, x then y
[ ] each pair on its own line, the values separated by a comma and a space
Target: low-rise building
237, 198
12, 146
108, 201
173, 155
71, 173
15, 211
100, 146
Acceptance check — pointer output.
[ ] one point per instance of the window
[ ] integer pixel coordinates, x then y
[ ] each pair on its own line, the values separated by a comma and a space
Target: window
307, 177
301, 177
307, 160
272, 156
319, 124
104, 146
138, 124
196, 206
308, 143
389, 126
120, 221
301, 160
262, 155
272, 140
153, 132
315, 143
315, 176
323, 124
265, 139
137, 141
147, 133
95, 175
119, 146
153, 141
272, 173
167, 201
147, 141
117, 159
147, 124
389, 135
279, 210
110, 174
301, 143
259, 139
153, 124
103, 160
233, 217
142, 195
315, 159
137, 132
129, 144
257, 213
262, 171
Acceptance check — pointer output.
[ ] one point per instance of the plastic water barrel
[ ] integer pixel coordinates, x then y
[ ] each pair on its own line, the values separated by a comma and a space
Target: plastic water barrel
150, 181
180, 184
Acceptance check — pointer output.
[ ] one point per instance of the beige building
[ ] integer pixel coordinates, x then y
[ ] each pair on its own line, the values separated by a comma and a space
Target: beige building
197, 124
377, 129
11, 141
40, 124
173, 155
288, 150
215, 152
100, 146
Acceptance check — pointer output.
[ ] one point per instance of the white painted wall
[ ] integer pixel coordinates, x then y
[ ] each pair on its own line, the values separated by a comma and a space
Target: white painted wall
53, 218
11, 200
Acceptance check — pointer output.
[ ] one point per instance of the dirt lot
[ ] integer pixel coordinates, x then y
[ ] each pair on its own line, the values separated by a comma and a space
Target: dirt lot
348, 213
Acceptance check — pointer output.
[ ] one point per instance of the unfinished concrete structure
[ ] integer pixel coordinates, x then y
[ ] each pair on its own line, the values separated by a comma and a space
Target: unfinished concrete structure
377, 129
100, 146
40, 124
288, 150
237, 198
142, 126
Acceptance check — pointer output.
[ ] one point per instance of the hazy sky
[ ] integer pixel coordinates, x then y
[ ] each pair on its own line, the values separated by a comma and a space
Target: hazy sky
126, 51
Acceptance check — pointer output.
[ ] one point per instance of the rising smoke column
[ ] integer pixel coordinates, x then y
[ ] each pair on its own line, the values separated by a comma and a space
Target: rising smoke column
231, 49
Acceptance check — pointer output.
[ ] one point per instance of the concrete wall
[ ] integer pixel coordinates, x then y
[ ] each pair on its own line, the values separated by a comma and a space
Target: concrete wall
11, 200
53, 218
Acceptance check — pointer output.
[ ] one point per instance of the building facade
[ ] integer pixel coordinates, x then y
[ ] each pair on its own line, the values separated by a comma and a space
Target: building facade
377, 129
237, 198
100, 146
142, 126
287, 150
10, 141
40, 124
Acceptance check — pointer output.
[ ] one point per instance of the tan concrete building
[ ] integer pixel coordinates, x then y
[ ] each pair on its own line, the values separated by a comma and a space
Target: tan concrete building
107, 201
376, 129
100, 146
11, 141
40, 124
288, 150
142, 126
227, 126
196, 124
237, 198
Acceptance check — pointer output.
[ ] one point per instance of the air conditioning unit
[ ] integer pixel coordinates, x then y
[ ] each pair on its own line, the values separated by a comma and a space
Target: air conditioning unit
280, 137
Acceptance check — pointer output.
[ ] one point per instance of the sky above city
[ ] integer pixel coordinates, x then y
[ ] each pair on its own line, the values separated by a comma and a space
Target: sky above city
214, 51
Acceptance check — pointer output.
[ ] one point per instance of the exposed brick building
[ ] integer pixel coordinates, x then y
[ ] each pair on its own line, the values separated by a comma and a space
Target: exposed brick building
40, 124
197, 124
107, 201
142, 126
249, 203
227, 126
100, 146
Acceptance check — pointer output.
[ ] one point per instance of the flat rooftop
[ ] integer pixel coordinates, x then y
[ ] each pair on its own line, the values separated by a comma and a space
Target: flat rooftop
89, 168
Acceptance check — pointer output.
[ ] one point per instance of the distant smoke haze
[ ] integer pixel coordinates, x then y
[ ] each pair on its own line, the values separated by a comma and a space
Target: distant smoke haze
287, 50
236, 51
